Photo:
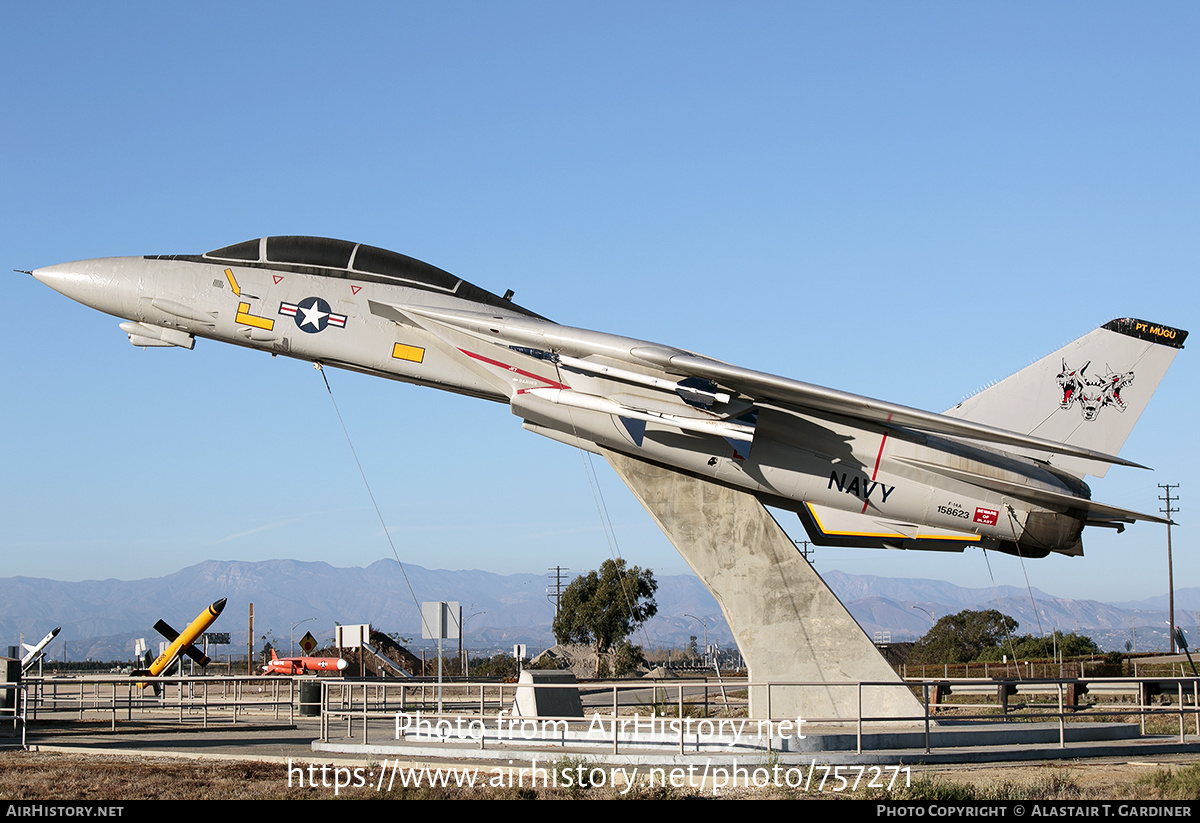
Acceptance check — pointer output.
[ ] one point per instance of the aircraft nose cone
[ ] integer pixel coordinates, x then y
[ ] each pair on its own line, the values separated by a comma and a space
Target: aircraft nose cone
111, 285
66, 279
83, 283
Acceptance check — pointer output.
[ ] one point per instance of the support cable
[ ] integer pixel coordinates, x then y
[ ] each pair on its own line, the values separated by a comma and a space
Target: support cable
371, 494
610, 534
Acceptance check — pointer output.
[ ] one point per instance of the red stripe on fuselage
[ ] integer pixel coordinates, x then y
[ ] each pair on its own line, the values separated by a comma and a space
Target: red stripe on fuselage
549, 383
878, 458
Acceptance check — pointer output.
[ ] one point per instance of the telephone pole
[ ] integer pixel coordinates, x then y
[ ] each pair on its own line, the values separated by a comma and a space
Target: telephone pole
1168, 511
555, 590
805, 551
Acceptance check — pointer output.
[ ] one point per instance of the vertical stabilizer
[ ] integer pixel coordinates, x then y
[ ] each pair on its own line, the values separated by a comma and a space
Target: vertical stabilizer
1089, 393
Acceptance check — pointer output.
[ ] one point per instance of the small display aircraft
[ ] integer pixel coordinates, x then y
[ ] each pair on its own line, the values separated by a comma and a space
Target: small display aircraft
303, 665
1002, 470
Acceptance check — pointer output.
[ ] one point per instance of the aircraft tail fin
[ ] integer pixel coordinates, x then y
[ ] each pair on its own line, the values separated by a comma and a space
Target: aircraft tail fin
1089, 393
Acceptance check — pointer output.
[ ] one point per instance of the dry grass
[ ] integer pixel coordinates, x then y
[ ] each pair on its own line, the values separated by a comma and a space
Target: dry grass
49, 776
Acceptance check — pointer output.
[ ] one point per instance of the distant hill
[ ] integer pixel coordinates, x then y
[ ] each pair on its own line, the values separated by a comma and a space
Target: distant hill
101, 618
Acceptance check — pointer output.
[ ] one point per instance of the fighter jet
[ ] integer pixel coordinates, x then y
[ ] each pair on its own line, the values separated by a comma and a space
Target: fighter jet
1003, 470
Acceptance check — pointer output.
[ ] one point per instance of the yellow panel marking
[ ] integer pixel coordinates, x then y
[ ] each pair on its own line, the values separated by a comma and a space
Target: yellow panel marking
233, 284
414, 354
247, 319
966, 537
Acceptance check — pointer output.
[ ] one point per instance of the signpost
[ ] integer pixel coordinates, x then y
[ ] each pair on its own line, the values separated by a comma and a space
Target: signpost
439, 621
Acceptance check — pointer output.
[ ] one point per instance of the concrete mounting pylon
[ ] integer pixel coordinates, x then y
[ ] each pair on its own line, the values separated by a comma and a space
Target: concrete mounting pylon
788, 624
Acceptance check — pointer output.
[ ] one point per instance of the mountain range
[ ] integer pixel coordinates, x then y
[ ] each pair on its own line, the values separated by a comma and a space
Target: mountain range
100, 619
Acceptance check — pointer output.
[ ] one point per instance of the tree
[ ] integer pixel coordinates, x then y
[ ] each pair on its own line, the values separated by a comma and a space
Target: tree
498, 665
603, 608
1028, 647
963, 637
626, 658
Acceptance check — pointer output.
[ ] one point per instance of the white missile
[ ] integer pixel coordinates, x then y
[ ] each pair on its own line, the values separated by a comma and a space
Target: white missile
591, 402
32, 652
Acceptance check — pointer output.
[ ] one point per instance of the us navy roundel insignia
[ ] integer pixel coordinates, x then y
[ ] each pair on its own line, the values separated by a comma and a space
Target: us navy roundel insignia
312, 315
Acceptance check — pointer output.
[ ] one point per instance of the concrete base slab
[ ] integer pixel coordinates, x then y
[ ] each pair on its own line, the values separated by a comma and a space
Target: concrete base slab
968, 742
789, 626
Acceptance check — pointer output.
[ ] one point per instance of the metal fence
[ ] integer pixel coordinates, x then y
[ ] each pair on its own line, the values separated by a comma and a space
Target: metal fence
364, 710
482, 714
201, 700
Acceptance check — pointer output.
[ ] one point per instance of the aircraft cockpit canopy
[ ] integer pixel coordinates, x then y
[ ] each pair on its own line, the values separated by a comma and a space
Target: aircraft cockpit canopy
326, 257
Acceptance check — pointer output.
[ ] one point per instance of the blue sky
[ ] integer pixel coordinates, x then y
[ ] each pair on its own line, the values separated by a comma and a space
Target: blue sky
901, 200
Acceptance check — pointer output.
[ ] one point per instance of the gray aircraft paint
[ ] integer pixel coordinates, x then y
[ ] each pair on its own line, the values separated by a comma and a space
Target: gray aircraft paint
1002, 470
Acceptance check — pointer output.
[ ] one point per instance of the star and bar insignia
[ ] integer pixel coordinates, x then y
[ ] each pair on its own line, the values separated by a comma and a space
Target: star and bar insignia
313, 315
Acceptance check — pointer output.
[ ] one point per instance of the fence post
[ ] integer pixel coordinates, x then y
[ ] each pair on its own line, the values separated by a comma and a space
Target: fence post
925, 695
680, 719
859, 713
614, 719
1179, 692
1062, 719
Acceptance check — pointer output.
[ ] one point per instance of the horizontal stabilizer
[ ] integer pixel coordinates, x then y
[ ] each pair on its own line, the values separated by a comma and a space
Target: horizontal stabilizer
1038, 496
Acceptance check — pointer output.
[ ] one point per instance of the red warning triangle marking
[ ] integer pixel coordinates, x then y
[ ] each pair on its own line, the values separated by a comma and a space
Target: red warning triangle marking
276, 278
356, 289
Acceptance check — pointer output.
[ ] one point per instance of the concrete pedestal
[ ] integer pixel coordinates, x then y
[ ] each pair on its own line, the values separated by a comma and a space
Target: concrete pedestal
787, 623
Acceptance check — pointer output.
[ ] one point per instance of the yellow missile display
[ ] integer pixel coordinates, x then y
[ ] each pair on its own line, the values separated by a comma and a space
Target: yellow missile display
181, 642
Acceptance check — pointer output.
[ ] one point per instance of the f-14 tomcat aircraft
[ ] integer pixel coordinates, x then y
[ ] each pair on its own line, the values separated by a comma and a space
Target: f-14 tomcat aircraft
1002, 470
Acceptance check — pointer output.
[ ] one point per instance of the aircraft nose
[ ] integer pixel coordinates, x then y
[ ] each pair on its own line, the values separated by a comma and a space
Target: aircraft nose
110, 285
75, 282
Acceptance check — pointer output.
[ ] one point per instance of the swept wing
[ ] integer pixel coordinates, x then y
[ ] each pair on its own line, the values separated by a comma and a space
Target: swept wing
761, 387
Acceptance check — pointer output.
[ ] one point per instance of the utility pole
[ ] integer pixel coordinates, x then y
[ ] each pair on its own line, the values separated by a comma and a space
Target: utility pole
1168, 511
555, 590
805, 551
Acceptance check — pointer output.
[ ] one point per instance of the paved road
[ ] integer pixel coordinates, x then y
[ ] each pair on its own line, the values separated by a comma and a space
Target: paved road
244, 741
